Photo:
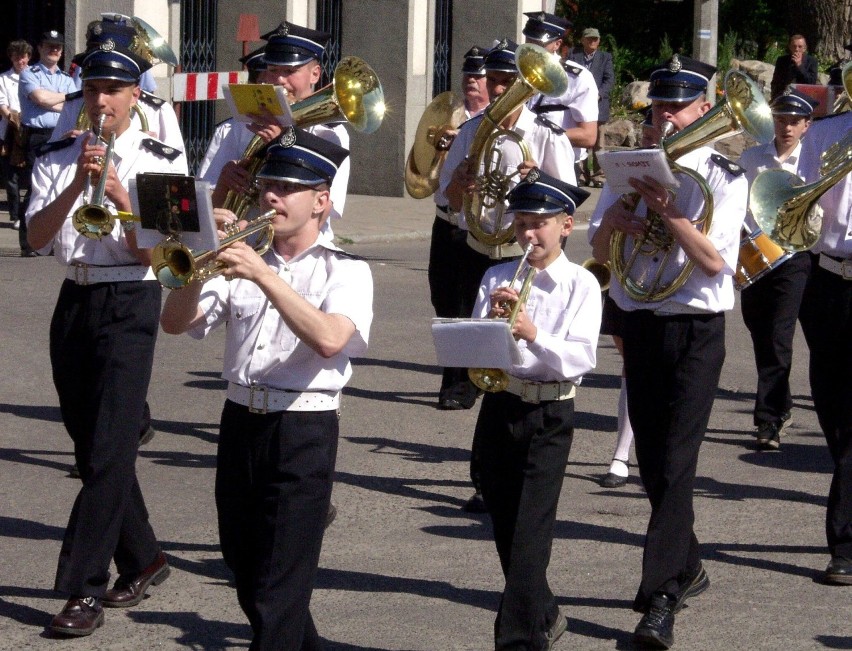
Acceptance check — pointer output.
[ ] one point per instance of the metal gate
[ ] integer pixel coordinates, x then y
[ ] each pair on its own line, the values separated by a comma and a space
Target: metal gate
329, 20
197, 54
442, 79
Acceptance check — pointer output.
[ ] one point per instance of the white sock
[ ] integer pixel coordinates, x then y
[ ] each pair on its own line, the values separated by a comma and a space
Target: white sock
619, 468
625, 430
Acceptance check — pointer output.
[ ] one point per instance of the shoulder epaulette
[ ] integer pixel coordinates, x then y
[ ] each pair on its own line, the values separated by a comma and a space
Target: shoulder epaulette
728, 165
538, 109
34, 68
153, 100
56, 145
70, 97
161, 149
346, 254
572, 67
543, 121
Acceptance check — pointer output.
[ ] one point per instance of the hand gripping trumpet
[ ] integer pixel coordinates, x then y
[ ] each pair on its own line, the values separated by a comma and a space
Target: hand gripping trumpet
496, 379
176, 266
93, 220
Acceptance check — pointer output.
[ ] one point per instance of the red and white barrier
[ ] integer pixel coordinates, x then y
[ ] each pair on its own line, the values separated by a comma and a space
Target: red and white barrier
198, 86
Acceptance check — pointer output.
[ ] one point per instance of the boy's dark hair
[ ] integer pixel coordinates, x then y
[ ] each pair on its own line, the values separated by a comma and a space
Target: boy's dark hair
19, 48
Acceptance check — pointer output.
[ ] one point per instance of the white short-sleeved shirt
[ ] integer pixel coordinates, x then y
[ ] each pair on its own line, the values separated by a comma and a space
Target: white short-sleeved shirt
699, 293
162, 120
836, 235
764, 157
9, 81
233, 140
260, 347
565, 305
549, 147
54, 171
579, 103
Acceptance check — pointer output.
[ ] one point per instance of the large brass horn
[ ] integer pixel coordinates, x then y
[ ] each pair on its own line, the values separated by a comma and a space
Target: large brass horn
539, 71
744, 108
355, 95
785, 208
427, 155
148, 44
175, 265
496, 379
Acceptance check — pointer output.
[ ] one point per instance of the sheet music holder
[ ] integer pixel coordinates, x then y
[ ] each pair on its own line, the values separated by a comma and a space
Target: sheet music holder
244, 99
475, 343
620, 166
173, 204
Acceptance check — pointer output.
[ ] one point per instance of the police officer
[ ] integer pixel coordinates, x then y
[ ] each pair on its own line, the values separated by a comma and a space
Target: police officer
674, 342
770, 305
102, 343
42, 91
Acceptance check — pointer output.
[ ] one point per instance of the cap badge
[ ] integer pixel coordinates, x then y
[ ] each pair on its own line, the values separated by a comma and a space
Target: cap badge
675, 65
107, 46
283, 30
533, 175
288, 137
502, 45
54, 33
788, 91
474, 51
97, 29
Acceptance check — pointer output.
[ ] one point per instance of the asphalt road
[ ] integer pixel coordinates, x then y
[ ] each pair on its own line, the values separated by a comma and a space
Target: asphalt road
403, 567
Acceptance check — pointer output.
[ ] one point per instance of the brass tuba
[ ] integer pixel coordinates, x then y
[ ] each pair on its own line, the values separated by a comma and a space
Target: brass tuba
600, 271
496, 379
175, 265
785, 208
539, 71
427, 155
744, 108
355, 95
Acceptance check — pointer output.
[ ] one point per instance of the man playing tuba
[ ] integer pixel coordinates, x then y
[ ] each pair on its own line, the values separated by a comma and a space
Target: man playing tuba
674, 347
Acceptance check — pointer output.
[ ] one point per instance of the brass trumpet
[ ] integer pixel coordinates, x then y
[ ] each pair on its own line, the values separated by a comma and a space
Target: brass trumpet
93, 220
494, 380
175, 265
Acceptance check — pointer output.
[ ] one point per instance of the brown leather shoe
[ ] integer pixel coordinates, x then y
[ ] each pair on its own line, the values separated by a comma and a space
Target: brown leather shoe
129, 591
81, 616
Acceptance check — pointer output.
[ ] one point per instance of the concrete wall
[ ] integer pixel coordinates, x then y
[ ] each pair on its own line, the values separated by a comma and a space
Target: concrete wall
480, 23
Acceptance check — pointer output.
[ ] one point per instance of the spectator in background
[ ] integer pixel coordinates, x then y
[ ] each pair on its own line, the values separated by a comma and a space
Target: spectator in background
11, 154
599, 63
798, 67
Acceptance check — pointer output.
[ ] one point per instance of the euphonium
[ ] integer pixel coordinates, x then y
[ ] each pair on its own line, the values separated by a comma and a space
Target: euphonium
176, 266
786, 209
539, 71
427, 155
744, 108
93, 220
600, 271
355, 94
496, 379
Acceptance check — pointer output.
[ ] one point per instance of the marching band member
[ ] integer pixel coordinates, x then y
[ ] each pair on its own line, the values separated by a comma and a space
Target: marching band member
295, 317
674, 347
525, 433
102, 344
770, 305
826, 318
550, 150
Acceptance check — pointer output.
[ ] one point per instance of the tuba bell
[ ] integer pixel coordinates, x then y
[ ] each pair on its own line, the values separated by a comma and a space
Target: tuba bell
427, 155
355, 95
539, 71
743, 108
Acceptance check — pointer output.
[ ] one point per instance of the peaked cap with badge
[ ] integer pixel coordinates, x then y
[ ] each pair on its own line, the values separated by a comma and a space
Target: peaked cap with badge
293, 45
542, 194
52, 36
474, 59
501, 58
108, 54
544, 27
793, 102
680, 79
299, 156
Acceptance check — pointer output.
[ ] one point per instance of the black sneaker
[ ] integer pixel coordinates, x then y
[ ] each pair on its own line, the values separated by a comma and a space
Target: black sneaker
768, 436
656, 628
556, 630
692, 586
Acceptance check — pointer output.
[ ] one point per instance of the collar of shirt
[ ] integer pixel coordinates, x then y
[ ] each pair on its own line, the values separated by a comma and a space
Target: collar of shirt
48, 71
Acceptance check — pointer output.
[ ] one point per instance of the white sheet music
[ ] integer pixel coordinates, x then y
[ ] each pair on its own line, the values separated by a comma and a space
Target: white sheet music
620, 166
477, 343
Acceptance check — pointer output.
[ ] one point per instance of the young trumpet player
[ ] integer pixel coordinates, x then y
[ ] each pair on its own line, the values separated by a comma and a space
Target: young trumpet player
102, 339
674, 341
295, 317
525, 432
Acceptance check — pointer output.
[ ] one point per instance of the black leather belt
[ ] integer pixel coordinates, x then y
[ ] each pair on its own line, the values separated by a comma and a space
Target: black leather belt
38, 130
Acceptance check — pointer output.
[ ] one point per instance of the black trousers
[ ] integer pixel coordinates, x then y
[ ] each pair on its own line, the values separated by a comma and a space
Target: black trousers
523, 453
672, 365
101, 350
770, 308
273, 488
826, 318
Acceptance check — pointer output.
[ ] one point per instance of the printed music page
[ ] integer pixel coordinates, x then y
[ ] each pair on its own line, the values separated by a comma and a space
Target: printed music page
620, 166
244, 99
477, 343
